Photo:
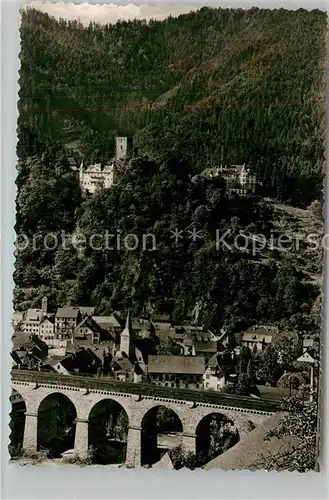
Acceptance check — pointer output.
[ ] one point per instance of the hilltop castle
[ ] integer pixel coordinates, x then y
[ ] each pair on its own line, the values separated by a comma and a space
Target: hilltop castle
94, 176
238, 179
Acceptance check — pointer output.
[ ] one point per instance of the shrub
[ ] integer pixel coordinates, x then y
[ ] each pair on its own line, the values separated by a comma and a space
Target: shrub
181, 457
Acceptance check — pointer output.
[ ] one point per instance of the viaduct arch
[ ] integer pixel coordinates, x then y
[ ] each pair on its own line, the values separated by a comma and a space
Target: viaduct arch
135, 406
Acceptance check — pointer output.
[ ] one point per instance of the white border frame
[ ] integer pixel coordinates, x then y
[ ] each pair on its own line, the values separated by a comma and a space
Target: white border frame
96, 482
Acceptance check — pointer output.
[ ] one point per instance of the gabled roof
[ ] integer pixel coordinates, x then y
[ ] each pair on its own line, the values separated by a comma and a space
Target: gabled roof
256, 337
214, 364
33, 315
108, 168
36, 342
201, 346
176, 364
97, 349
50, 319
107, 321
94, 168
18, 315
89, 310
262, 330
122, 363
160, 318
16, 357
67, 312
73, 361
307, 357
93, 327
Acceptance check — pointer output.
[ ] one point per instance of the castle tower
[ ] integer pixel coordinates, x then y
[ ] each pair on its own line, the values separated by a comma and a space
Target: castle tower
81, 174
121, 148
44, 305
126, 336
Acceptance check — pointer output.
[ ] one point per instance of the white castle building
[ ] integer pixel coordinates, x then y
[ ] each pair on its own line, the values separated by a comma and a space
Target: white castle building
239, 179
95, 177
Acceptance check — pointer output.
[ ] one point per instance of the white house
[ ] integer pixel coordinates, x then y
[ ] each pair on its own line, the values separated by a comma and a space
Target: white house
17, 318
95, 177
32, 321
238, 178
47, 329
213, 378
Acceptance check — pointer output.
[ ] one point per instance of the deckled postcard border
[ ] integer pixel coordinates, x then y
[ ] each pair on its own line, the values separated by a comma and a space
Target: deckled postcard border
95, 482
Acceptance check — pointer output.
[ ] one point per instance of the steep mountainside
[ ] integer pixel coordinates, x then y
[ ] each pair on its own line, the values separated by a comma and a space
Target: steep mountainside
245, 86
242, 86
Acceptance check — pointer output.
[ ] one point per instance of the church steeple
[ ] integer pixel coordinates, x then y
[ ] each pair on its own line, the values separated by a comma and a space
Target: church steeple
126, 336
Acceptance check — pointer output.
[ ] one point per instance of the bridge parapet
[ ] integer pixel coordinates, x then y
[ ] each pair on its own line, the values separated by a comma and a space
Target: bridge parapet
136, 399
144, 391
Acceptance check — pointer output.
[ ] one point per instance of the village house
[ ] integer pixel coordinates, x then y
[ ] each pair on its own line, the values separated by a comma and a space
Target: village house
32, 321
257, 338
66, 320
47, 329
238, 179
176, 371
82, 361
308, 344
125, 370
216, 375
86, 311
90, 331
38, 321
205, 348
17, 318
31, 354
109, 323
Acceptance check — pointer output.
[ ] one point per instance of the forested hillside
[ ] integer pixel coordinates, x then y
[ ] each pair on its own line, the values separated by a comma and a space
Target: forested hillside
210, 86
245, 84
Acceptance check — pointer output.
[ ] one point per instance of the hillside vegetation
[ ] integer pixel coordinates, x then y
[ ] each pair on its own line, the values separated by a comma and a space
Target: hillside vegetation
210, 86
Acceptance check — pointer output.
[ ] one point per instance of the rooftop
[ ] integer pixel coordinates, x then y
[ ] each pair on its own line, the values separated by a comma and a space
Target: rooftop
87, 310
201, 346
256, 337
67, 312
107, 321
176, 364
33, 314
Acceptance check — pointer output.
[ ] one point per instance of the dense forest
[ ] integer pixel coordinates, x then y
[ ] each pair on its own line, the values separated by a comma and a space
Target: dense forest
216, 85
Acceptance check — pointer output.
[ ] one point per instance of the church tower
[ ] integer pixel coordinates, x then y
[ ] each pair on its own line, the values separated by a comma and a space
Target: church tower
126, 336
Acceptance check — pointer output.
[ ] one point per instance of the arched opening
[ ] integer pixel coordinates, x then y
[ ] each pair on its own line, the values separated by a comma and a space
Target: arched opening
161, 432
56, 425
17, 424
215, 434
107, 432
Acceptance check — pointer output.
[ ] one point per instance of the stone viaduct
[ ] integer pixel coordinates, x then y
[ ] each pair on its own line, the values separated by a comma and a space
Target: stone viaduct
85, 397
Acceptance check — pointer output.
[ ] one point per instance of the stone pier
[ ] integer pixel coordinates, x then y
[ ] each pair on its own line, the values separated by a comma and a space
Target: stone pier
35, 387
133, 455
81, 438
30, 440
189, 442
